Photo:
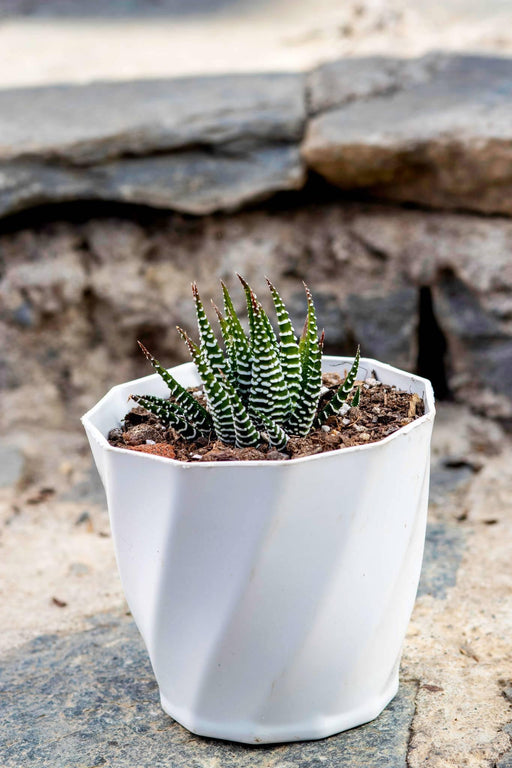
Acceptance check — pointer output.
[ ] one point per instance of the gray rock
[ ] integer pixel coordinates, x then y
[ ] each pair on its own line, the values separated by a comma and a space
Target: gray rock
480, 346
385, 324
87, 124
90, 699
444, 480
329, 314
192, 182
444, 547
444, 141
339, 82
11, 464
192, 144
89, 491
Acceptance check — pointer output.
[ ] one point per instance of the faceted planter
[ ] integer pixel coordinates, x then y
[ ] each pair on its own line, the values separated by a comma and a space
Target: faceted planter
273, 597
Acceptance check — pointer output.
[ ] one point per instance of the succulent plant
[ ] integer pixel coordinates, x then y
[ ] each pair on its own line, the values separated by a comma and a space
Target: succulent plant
260, 386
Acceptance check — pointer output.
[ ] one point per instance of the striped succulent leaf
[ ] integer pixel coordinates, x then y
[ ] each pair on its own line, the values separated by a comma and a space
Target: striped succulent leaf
338, 399
277, 437
214, 387
241, 350
208, 343
249, 299
269, 392
246, 434
230, 352
192, 410
310, 349
258, 388
169, 414
288, 348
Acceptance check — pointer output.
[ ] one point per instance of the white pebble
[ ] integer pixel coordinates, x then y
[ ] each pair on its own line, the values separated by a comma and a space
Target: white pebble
196, 456
325, 428
346, 421
150, 442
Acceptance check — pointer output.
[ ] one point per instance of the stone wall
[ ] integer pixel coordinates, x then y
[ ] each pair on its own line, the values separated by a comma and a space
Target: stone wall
427, 288
75, 297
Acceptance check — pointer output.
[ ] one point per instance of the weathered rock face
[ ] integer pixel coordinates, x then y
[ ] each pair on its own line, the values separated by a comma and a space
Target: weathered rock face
74, 298
191, 144
435, 131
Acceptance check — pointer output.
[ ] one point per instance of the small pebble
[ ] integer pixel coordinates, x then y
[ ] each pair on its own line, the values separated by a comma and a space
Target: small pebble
371, 381
325, 428
115, 435
78, 569
150, 442
353, 413
345, 421
365, 436
84, 517
277, 456
196, 456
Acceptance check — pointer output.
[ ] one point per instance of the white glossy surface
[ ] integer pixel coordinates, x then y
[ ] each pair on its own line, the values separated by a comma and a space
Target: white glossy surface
273, 597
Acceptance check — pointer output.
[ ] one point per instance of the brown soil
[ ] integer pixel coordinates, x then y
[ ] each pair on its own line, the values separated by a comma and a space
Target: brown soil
382, 410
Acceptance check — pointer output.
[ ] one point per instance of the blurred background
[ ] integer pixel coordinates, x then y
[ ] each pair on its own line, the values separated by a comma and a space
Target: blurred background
364, 146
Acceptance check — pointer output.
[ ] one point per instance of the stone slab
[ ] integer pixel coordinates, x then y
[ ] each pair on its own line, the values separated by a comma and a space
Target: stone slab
194, 182
195, 145
87, 124
444, 548
433, 131
443, 140
89, 699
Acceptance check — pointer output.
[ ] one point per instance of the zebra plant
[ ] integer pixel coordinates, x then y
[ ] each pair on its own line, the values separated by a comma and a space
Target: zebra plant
259, 386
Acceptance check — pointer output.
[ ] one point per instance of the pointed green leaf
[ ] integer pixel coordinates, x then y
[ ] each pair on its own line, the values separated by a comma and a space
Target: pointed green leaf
335, 403
288, 348
169, 414
246, 434
269, 392
241, 350
301, 420
277, 437
215, 390
208, 343
193, 411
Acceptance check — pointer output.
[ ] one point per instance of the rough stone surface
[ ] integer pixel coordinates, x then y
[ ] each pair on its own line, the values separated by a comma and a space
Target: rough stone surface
440, 141
76, 685
84, 125
11, 464
74, 298
344, 81
90, 699
190, 144
195, 182
434, 131
444, 546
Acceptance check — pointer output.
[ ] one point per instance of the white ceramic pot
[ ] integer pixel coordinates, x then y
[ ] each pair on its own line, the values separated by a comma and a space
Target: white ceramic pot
273, 597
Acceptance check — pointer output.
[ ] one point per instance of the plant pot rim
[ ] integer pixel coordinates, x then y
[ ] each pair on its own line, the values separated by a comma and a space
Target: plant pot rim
330, 360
